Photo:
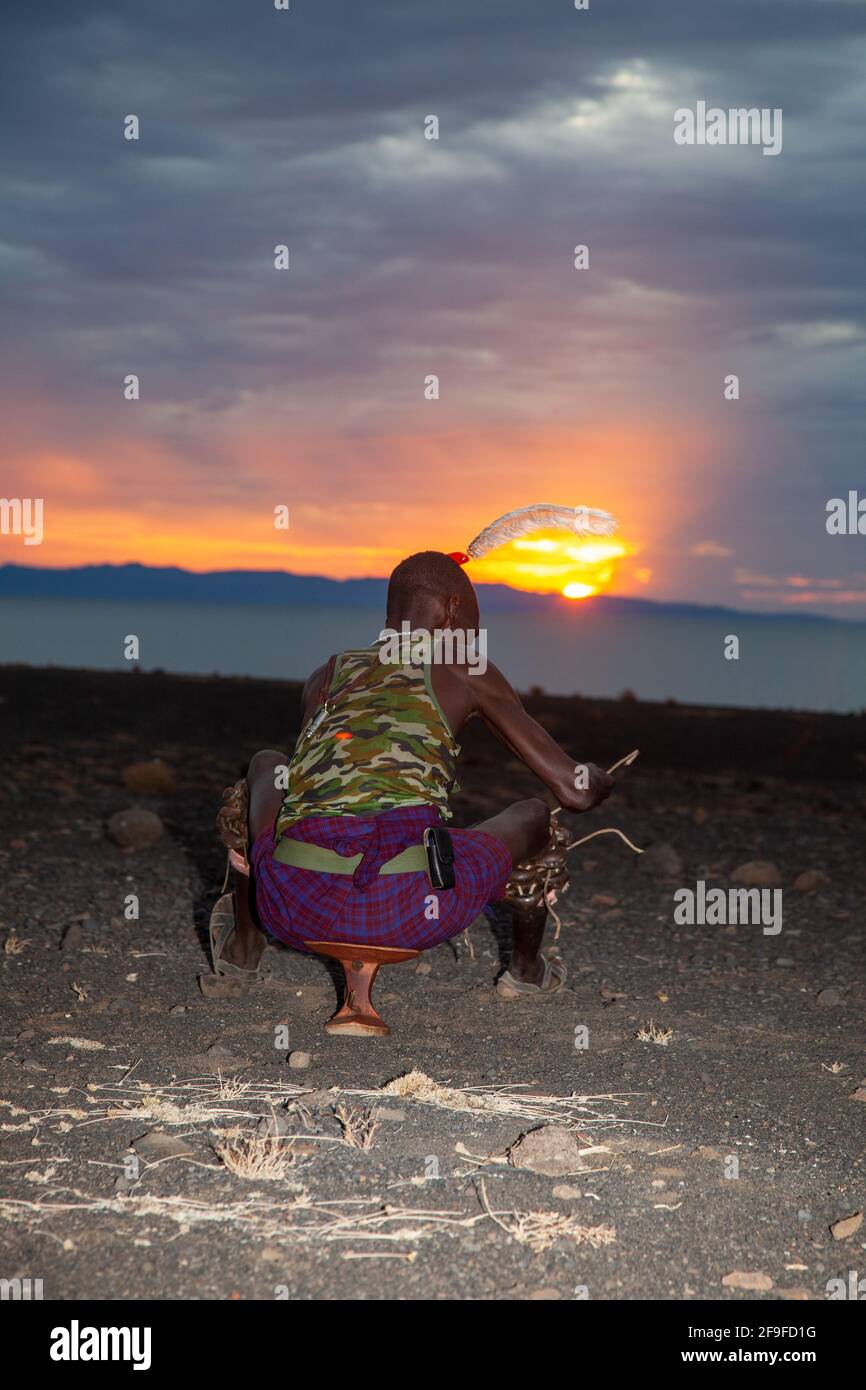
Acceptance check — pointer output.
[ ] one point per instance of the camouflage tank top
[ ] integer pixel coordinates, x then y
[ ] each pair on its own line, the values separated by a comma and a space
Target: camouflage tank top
386, 743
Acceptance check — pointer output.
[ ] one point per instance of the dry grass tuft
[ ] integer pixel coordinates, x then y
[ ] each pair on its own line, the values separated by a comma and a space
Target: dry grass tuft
652, 1034
542, 1229
230, 1089
16, 945
358, 1126
258, 1158
415, 1085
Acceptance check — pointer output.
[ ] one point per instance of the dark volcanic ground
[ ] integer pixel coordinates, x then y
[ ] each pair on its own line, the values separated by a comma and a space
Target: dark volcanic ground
105, 1024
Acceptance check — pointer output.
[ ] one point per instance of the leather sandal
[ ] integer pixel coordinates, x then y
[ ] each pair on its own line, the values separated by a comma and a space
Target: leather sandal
222, 924
555, 976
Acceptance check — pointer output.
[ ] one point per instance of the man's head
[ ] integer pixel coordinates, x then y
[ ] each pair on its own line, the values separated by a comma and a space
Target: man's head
430, 590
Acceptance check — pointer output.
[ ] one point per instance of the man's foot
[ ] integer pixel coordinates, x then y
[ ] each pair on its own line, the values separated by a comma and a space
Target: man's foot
544, 976
244, 954
528, 972
234, 953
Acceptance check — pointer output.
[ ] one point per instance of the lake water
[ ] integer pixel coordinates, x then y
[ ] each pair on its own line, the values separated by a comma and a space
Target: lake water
783, 663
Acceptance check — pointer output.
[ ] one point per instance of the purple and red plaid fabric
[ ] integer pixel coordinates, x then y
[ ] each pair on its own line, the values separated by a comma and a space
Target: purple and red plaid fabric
367, 908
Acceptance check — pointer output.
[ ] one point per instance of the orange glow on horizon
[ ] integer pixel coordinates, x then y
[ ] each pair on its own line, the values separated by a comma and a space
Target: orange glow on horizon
120, 501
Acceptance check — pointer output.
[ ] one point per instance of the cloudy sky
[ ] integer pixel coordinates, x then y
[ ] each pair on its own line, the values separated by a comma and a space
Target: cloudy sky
412, 257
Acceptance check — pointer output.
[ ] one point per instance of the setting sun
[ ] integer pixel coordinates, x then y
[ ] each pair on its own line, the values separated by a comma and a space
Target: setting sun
555, 563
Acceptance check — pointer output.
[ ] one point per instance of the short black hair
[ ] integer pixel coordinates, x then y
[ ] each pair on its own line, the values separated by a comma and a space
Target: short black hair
430, 570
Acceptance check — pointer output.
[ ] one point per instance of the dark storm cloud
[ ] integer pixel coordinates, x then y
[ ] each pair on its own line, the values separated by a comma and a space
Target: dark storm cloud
258, 124
408, 256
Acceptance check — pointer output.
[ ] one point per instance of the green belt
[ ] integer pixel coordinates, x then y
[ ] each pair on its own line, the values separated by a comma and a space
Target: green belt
327, 861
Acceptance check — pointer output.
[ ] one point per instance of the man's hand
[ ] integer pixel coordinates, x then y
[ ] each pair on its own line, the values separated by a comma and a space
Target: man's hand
592, 786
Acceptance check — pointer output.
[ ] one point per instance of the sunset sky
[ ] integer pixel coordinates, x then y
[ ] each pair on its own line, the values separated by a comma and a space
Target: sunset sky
410, 257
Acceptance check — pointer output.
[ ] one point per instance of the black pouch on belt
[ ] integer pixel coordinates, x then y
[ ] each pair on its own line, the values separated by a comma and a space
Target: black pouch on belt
440, 857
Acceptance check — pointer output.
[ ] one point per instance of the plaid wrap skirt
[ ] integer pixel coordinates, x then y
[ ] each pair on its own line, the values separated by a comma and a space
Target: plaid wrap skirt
371, 909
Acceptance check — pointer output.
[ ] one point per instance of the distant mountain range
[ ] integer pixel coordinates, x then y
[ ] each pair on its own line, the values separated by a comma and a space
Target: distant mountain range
280, 588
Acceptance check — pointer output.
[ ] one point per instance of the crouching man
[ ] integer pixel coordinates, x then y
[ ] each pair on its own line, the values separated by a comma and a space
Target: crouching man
329, 844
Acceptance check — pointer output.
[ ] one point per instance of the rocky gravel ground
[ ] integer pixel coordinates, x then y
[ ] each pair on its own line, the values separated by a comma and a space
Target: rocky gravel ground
684, 1121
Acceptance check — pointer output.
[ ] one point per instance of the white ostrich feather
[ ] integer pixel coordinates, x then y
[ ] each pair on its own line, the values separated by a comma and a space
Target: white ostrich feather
542, 516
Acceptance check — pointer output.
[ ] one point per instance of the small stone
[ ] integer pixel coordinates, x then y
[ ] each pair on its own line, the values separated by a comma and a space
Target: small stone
544, 1296
423, 967
383, 1113
828, 998
272, 1126
158, 1145
751, 1279
552, 1150
299, 1060
859, 1094
848, 1226
152, 778
566, 1193
71, 939
661, 860
757, 873
810, 880
178, 1009
135, 828
317, 1100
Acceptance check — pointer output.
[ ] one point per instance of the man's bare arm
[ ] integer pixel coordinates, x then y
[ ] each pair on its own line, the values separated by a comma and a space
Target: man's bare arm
500, 707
